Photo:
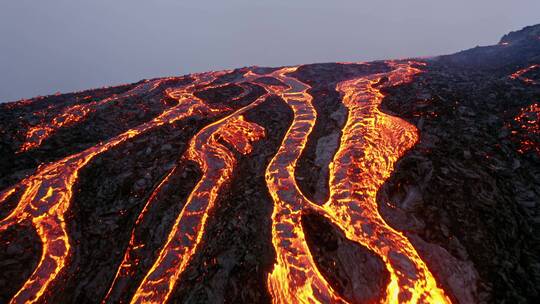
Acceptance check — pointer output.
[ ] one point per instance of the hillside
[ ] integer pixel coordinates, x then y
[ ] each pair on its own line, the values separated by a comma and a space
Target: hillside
411, 180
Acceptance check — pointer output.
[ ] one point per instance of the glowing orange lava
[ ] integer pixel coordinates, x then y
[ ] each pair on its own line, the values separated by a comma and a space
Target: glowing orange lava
295, 277
529, 123
76, 113
217, 162
229, 133
371, 144
519, 74
47, 196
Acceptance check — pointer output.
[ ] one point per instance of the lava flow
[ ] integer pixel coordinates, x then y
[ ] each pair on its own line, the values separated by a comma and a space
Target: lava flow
281, 185
371, 143
73, 114
217, 162
295, 277
519, 74
528, 121
47, 195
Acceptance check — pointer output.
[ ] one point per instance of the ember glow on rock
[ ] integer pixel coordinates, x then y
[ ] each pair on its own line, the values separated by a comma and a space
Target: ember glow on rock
520, 74
371, 143
37, 134
528, 121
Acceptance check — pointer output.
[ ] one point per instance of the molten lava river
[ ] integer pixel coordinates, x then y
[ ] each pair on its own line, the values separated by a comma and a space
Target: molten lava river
371, 143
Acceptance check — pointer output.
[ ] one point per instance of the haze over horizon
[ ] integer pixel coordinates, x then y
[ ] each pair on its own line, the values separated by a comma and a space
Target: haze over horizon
62, 46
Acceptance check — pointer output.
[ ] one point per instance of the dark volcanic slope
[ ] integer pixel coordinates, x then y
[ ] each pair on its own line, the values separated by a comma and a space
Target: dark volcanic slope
356, 182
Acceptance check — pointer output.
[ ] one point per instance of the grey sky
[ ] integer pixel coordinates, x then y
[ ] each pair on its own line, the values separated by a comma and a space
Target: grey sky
66, 45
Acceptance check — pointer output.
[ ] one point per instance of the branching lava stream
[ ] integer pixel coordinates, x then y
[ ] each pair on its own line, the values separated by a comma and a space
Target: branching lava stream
47, 195
519, 74
370, 145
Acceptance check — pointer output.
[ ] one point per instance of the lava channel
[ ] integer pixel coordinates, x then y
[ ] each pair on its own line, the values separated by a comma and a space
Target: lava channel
73, 114
210, 149
370, 145
47, 194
